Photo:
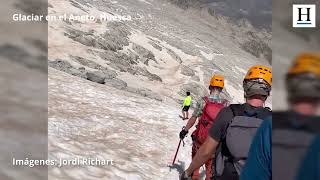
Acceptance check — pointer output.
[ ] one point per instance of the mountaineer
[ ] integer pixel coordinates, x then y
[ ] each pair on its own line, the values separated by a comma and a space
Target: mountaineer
185, 107
259, 164
206, 110
230, 136
295, 130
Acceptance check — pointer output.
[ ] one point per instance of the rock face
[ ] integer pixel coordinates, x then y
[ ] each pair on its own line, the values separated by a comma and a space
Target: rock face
236, 11
106, 75
77, 72
87, 63
128, 63
155, 45
65, 66
145, 55
258, 48
60, 65
174, 56
96, 76
161, 49
115, 82
185, 70
119, 61
112, 40
110, 74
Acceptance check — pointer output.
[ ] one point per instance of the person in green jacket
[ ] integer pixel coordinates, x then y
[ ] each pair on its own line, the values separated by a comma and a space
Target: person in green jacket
186, 106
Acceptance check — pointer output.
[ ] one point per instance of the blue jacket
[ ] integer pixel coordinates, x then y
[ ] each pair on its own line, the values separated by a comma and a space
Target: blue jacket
259, 163
310, 166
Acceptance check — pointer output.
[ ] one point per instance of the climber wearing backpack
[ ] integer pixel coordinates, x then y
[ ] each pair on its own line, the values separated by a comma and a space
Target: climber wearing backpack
230, 137
259, 162
293, 131
294, 128
206, 110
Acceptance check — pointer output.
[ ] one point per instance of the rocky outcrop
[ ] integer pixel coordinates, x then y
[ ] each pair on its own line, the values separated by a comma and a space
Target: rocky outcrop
110, 74
115, 82
119, 61
144, 72
107, 77
77, 72
87, 63
126, 63
174, 56
112, 40
65, 66
96, 76
155, 45
185, 70
145, 55
258, 48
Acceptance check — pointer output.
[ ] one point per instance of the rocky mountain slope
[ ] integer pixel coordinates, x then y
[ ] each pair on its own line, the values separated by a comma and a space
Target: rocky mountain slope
117, 84
257, 12
161, 53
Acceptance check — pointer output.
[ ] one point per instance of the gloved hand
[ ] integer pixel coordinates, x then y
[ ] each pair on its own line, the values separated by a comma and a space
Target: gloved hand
183, 133
184, 176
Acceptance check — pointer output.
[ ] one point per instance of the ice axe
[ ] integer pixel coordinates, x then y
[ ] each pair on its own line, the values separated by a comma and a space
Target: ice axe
175, 156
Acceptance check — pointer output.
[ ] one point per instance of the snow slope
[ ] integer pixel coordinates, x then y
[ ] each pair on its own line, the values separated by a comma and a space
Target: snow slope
177, 38
182, 48
88, 119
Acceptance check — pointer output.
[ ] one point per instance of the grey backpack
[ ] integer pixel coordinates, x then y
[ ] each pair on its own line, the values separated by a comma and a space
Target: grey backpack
291, 138
238, 137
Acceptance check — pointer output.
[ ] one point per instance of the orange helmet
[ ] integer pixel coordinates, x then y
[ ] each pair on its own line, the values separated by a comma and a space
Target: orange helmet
303, 77
306, 63
217, 81
260, 72
258, 81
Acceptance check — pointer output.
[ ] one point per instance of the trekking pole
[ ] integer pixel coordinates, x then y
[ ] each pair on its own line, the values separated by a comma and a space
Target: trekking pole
175, 156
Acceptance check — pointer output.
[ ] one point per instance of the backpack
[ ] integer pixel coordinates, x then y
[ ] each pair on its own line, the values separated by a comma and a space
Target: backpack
209, 114
291, 140
237, 140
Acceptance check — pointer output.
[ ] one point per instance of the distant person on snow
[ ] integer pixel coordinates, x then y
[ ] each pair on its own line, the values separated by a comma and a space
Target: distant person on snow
186, 105
230, 136
293, 141
206, 110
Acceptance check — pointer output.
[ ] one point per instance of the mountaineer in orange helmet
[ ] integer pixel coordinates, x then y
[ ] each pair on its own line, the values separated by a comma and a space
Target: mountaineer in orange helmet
206, 110
291, 139
302, 120
229, 138
276, 144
